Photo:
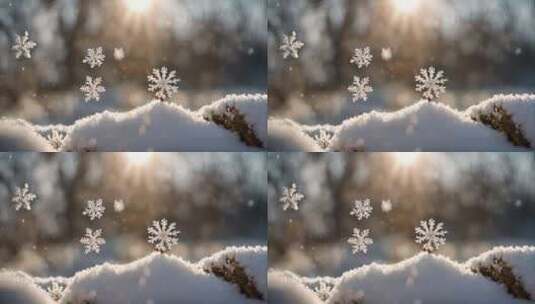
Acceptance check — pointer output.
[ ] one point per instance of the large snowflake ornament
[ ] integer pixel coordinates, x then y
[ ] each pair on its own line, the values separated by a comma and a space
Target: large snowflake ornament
92, 240
94, 209
92, 88
290, 198
431, 83
431, 235
23, 46
95, 57
291, 46
162, 235
362, 57
55, 291
360, 88
23, 198
361, 209
360, 240
161, 83
323, 291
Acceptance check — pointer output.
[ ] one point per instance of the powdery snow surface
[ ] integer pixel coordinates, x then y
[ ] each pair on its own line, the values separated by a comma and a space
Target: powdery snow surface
154, 279
424, 126
424, 278
156, 126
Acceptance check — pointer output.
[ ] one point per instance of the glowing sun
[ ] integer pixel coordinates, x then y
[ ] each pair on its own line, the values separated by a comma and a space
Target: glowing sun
406, 7
137, 6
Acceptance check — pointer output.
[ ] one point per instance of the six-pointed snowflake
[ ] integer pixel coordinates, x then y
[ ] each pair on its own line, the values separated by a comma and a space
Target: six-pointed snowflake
92, 240
323, 139
362, 57
94, 57
162, 236
431, 83
431, 235
23, 46
23, 198
92, 88
163, 84
290, 198
360, 240
55, 291
361, 209
94, 209
323, 291
56, 138
360, 88
291, 46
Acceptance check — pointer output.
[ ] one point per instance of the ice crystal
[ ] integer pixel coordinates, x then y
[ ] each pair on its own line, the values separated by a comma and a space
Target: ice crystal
360, 240
431, 235
386, 206
323, 291
361, 209
323, 139
118, 54
92, 88
362, 57
23, 46
291, 197
161, 83
56, 138
92, 240
55, 291
431, 83
94, 57
162, 235
291, 46
94, 209
118, 205
23, 198
360, 88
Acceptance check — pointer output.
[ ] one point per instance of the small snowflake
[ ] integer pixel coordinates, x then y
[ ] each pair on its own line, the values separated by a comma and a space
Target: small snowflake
94, 57
163, 84
162, 236
323, 139
118, 206
290, 198
362, 209
23, 198
360, 240
291, 46
92, 240
55, 291
94, 209
430, 235
360, 88
362, 57
23, 46
92, 88
56, 138
431, 83
118, 54
386, 206
323, 290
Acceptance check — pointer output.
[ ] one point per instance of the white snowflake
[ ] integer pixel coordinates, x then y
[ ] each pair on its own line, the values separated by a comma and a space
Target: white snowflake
94, 209
323, 290
290, 198
92, 240
118, 54
291, 46
386, 54
431, 235
55, 291
56, 138
92, 88
431, 83
118, 205
163, 84
386, 206
360, 88
23, 46
94, 57
360, 240
162, 236
23, 198
323, 139
362, 209
362, 57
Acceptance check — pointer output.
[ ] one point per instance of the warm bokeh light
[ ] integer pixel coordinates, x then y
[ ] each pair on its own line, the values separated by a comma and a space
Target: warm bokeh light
406, 159
406, 6
137, 6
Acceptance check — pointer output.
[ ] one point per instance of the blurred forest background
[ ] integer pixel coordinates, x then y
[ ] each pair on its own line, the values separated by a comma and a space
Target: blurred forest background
216, 199
483, 199
216, 47
484, 47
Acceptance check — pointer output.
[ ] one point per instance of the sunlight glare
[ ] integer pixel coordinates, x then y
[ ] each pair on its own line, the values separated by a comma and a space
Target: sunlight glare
138, 159
406, 7
406, 159
138, 6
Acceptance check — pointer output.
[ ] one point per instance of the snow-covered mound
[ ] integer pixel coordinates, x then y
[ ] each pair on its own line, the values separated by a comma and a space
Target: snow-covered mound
502, 275
17, 135
17, 289
235, 123
234, 275
503, 123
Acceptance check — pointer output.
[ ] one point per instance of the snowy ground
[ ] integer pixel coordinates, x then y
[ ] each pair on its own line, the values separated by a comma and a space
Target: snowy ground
502, 123
501, 275
234, 123
233, 275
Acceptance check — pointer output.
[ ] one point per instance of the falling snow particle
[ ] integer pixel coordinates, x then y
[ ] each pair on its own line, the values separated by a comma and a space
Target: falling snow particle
291, 46
290, 198
386, 206
162, 84
361, 209
118, 54
430, 235
118, 206
94, 209
23, 198
94, 57
23, 46
362, 57
92, 88
162, 236
92, 240
386, 54
360, 240
360, 88
431, 83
